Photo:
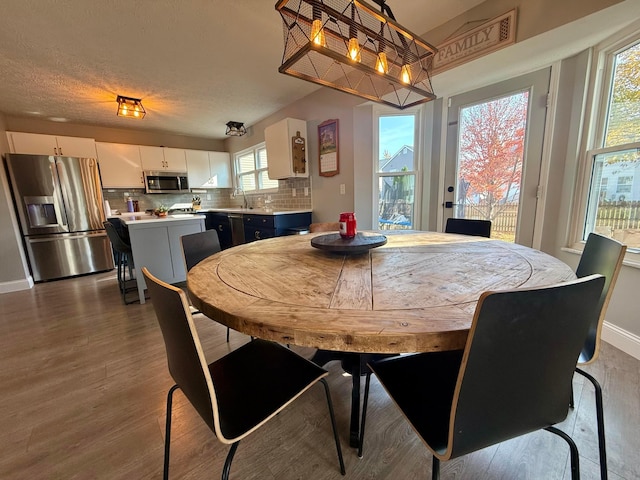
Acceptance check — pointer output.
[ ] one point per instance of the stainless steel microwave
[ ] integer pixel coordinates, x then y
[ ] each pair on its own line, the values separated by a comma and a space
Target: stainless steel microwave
166, 182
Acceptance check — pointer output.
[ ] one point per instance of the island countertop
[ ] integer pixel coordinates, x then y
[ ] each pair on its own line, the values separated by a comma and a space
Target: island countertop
141, 217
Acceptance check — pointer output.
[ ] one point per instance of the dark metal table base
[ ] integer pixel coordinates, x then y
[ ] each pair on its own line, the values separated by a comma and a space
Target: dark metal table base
356, 365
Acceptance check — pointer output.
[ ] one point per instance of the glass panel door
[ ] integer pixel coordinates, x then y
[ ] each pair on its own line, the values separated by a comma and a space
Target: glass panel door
494, 155
491, 138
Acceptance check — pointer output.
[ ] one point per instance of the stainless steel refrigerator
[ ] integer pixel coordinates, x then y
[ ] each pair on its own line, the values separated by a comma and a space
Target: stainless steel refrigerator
60, 206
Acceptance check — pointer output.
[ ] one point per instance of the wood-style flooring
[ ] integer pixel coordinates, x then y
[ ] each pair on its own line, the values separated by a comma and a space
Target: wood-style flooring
83, 385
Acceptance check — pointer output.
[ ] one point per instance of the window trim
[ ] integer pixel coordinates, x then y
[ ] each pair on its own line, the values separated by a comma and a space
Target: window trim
256, 171
600, 77
417, 113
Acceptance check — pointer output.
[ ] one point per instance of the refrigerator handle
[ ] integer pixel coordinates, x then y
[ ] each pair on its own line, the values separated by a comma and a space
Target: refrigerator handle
60, 194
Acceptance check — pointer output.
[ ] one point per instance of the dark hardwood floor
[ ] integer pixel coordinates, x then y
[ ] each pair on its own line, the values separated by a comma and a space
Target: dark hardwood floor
84, 382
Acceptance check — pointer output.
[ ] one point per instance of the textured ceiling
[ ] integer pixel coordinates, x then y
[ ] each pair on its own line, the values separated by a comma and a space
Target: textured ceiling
196, 64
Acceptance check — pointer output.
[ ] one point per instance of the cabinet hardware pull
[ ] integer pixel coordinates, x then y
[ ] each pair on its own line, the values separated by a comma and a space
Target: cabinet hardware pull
55, 151
257, 235
220, 228
60, 150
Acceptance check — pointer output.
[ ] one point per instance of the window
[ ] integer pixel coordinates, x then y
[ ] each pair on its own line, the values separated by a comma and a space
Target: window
251, 170
613, 206
396, 171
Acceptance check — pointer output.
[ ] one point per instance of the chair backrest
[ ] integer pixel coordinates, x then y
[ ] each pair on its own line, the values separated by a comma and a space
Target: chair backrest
601, 255
116, 240
185, 357
478, 228
198, 246
518, 362
324, 227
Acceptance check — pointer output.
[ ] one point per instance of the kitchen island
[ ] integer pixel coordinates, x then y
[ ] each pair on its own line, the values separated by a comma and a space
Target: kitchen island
155, 244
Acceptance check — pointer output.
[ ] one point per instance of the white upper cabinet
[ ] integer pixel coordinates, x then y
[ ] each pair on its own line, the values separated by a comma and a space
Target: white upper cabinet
162, 158
120, 165
37, 144
208, 169
278, 139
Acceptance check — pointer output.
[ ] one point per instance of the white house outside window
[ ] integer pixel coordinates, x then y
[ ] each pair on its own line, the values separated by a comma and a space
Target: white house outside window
613, 206
251, 170
396, 172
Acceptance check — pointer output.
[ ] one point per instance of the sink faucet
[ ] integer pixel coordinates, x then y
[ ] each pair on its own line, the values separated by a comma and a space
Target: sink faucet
236, 192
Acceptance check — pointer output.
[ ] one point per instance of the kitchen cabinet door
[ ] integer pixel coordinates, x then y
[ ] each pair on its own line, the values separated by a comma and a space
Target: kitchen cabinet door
174, 159
278, 140
160, 159
76, 147
120, 165
39, 144
198, 169
152, 158
208, 169
220, 164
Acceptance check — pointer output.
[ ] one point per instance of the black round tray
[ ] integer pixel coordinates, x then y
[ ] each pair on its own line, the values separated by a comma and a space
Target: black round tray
361, 243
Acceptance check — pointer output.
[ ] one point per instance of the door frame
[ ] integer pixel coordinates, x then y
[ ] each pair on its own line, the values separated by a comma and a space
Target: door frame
496, 90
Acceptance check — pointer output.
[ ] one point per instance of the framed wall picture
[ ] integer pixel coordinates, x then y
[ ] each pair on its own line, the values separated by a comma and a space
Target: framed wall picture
329, 162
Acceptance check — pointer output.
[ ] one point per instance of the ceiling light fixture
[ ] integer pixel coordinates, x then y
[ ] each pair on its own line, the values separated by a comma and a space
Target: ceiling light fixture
236, 129
350, 46
130, 107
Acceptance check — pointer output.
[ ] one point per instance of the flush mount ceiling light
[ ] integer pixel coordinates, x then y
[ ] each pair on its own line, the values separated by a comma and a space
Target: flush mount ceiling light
350, 46
130, 107
236, 129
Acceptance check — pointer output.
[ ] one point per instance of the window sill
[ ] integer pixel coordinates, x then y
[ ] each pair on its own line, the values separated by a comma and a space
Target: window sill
631, 259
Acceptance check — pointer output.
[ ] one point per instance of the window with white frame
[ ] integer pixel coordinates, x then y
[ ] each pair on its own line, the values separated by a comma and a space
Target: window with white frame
396, 171
251, 168
613, 205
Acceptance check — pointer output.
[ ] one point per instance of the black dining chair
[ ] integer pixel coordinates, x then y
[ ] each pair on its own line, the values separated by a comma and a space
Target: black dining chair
465, 226
195, 248
462, 401
123, 257
238, 393
604, 256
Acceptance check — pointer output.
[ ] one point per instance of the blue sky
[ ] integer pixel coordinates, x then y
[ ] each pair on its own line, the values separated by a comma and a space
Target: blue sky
396, 131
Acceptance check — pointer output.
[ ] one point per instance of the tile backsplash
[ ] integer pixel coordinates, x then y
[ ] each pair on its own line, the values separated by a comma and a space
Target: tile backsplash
282, 199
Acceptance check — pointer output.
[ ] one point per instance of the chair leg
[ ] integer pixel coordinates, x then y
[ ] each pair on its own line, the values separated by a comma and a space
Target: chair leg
571, 399
333, 425
228, 334
167, 435
600, 419
364, 412
435, 468
227, 462
575, 460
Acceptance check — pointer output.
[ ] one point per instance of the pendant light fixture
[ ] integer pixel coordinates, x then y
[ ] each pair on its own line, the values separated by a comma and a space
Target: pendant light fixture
236, 129
130, 107
356, 48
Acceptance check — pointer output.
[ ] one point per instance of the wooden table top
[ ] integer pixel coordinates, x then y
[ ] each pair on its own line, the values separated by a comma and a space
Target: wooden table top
416, 293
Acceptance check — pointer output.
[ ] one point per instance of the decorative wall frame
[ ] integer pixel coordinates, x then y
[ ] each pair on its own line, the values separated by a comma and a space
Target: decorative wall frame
329, 160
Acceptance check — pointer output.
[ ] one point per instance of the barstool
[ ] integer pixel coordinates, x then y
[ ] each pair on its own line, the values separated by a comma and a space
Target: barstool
124, 260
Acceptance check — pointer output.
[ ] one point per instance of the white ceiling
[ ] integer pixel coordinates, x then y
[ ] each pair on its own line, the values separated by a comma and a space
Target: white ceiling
196, 64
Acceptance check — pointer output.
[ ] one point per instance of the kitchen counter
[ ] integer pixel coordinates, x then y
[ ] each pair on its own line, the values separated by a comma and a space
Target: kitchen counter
255, 211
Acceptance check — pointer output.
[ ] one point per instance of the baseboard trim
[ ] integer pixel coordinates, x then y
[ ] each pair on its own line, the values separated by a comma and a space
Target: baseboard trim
622, 339
16, 285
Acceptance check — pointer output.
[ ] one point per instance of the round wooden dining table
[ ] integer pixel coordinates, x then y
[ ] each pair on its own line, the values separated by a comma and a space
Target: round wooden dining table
416, 293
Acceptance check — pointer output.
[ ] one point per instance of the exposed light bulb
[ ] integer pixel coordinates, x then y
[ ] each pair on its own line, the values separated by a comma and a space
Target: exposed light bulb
353, 50
124, 109
381, 63
317, 33
405, 74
